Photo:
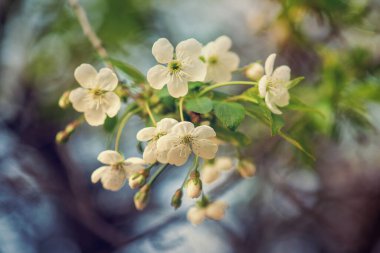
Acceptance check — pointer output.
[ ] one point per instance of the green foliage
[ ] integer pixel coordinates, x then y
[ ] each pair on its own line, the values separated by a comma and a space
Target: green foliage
129, 70
110, 124
200, 105
234, 137
294, 82
230, 114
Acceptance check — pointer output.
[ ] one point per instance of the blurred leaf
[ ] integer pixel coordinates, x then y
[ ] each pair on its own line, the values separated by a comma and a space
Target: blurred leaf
296, 144
200, 105
233, 137
297, 105
277, 124
229, 113
131, 71
195, 85
110, 124
294, 82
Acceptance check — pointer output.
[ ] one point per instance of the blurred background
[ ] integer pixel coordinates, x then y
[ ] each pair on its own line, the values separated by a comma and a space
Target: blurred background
293, 205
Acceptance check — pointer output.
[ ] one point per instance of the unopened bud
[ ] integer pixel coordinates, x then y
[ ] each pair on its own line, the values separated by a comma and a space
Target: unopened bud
136, 180
177, 199
194, 185
61, 137
246, 168
64, 135
141, 198
216, 210
254, 71
64, 101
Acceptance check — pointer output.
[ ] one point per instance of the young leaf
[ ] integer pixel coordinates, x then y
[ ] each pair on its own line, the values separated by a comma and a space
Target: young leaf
296, 144
195, 85
276, 124
297, 105
131, 71
233, 137
294, 82
200, 105
229, 113
110, 124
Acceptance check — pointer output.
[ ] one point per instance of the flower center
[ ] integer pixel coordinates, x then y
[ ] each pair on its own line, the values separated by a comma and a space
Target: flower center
97, 92
159, 135
187, 139
212, 60
174, 66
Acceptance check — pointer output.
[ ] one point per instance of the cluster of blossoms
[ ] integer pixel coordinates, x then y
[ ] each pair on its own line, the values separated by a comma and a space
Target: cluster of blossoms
172, 141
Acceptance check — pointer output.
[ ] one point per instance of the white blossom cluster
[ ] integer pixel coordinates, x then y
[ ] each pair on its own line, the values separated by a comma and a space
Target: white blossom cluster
172, 141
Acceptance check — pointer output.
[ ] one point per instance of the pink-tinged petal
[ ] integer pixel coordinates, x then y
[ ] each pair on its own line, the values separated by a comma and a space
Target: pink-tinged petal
163, 50
106, 79
263, 83
95, 116
79, 97
269, 63
146, 134
110, 157
282, 73
85, 75
204, 132
158, 76
190, 48
196, 215
204, 148
179, 154
111, 103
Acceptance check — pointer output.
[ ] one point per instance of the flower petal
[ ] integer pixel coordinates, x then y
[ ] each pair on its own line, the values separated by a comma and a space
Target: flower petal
177, 87
146, 134
195, 69
209, 174
166, 142
163, 50
135, 160
196, 215
98, 173
166, 124
179, 154
158, 76
183, 128
79, 98
111, 103
223, 43
229, 60
110, 157
282, 98
269, 64
271, 105
85, 75
282, 73
95, 117
149, 154
162, 156
190, 48
224, 163
263, 86
204, 132
216, 210
204, 148
114, 179
106, 79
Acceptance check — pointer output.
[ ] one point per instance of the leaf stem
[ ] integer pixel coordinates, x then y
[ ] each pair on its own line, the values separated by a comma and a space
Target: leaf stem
181, 108
147, 108
217, 85
124, 119
157, 173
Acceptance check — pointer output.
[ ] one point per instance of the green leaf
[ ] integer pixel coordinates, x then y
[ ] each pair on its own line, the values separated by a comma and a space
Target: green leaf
297, 105
110, 124
200, 105
229, 113
233, 137
261, 113
131, 71
277, 124
296, 144
195, 85
294, 82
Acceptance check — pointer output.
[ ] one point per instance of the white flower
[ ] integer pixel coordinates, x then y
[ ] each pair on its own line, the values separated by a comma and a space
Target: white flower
152, 134
179, 68
220, 61
184, 139
96, 97
215, 211
114, 175
272, 85
211, 171
194, 187
254, 71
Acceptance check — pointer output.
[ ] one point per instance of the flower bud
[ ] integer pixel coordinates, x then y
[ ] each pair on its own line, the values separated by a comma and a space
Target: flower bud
254, 71
216, 210
246, 168
64, 101
177, 199
141, 198
210, 173
194, 185
137, 180
61, 137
